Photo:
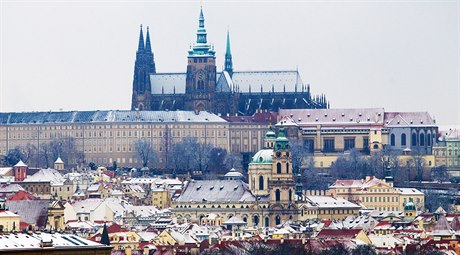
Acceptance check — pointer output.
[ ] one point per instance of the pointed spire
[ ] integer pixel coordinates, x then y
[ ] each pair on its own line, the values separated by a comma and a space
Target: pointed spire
105, 236
227, 51
148, 48
201, 19
228, 56
141, 40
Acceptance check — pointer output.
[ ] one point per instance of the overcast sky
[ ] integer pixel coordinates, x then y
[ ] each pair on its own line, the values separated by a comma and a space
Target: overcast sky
79, 55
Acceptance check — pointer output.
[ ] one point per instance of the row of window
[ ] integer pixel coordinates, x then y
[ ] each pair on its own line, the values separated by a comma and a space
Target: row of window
414, 141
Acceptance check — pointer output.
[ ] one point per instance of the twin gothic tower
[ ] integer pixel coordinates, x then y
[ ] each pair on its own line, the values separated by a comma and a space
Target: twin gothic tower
202, 88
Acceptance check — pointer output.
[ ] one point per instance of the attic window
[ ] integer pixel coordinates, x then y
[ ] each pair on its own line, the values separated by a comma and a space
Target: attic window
421, 121
325, 115
199, 187
236, 187
351, 119
360, 114
211, 188
333, 119
292, 115
308, 115
316, 119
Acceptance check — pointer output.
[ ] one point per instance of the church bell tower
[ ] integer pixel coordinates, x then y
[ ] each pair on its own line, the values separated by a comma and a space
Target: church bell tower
201, 72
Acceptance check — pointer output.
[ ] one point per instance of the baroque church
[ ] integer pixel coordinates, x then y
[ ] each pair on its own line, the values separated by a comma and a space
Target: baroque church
202, 88
271, 197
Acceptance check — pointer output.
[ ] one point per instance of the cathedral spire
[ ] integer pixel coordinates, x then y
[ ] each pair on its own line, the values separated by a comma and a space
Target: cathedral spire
201, 47
141, 41
228, 56
148, 47
201, 32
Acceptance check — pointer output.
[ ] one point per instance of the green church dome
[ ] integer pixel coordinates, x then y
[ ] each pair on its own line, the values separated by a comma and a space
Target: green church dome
410, 206
263, 157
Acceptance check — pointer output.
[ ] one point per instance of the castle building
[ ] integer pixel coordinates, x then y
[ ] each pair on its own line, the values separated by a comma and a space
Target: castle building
203, 88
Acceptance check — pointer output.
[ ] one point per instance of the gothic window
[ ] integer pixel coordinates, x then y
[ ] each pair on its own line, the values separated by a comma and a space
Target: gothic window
422, 139
267, 221
290, 195
277, 195
403, 139
278, 168
414, 139
287, 168
392, 140
428, 140
200, 85
261, 182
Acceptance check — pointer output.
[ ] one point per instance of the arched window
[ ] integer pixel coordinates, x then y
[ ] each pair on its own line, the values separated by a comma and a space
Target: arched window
278, 168
392, 140
290, 195
428, 139
403, 139
267, 221
277, 195
422, 139
261, 182
287, 168
278, 220
414, 139
256, 220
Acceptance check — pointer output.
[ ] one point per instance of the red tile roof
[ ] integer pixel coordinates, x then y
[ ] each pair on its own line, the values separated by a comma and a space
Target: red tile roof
338, 233
22, 195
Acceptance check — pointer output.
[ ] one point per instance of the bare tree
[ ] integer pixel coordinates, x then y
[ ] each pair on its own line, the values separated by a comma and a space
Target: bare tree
298, 155
440, 174
145, 151
418, 163
13, 156
201, 157
180, 154
233, 160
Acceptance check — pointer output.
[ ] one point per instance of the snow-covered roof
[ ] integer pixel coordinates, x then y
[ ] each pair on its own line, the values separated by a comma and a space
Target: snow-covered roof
24, 118
331, 202
59, 161
216, 191
370, 116
45, 175
245, 82
20, 164
23, 241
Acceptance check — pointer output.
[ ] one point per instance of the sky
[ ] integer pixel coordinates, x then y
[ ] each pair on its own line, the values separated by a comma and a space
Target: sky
79, 55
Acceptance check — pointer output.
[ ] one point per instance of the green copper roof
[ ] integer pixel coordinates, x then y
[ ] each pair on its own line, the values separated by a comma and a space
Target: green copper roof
202, 47
270, 133
281, 142
263, 157
410, 206
227, 52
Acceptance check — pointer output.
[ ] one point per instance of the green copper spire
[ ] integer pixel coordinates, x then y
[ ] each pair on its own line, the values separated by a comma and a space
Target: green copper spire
228, 56
201, 48
281, 142
228, 52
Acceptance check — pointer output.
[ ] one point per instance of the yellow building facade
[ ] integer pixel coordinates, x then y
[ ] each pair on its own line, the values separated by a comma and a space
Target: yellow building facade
375, 194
